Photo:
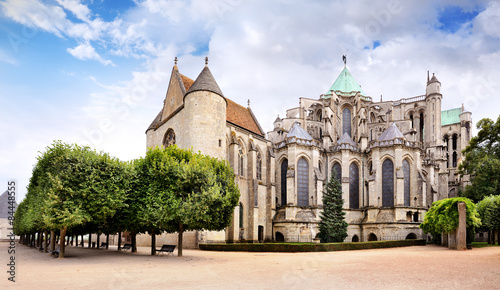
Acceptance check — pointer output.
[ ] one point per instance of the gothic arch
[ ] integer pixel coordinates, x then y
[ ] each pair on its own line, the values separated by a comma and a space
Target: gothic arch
388, 182
337, 170
303, 168
406, 166
354, 185
169, 138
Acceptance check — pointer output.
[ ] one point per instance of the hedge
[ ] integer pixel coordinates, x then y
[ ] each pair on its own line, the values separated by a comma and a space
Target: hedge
310, 247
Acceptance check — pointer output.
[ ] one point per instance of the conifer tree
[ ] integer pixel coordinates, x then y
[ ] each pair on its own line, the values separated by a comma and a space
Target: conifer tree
332, 227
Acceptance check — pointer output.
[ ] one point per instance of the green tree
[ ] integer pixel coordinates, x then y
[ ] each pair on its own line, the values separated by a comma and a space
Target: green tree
332, 227
186, 191
489, 211
482, 161
442, 217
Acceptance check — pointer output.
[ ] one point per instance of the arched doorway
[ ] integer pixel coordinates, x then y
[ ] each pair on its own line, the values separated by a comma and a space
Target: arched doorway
261, 234
372, 237
355, 239
411, 236
279, 237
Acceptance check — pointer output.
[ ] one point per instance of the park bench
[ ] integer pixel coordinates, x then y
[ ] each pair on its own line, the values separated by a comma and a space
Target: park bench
126, 247
169, 249
55, 252
103, 245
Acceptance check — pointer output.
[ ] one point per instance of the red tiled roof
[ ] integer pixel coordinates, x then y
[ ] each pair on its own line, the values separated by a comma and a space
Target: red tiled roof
242, 117
187, 82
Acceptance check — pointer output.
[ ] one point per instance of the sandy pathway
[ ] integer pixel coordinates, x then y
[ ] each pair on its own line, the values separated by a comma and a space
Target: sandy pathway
424, 267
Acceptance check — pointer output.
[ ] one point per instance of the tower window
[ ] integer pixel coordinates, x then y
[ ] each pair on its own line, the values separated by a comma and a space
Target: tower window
346, 121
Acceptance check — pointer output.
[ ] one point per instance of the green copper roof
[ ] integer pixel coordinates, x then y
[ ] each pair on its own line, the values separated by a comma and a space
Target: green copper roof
451, 116
345, 83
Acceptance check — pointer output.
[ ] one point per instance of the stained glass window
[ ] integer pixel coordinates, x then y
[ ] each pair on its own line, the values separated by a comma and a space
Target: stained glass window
406, 173
169, 138
302, 182
284, 168
346, 121
259, 166
388, 183
337, 171
353, 186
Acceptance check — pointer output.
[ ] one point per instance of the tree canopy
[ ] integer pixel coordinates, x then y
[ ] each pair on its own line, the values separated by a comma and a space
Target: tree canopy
482, 161
442, 217
332, 227
186, 191
489, 211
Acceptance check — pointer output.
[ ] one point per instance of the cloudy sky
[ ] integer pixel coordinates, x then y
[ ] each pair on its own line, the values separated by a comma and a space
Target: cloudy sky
96, 72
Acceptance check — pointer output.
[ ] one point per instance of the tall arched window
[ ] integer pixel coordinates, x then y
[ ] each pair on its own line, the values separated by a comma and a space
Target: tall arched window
406, 173
241, 215
346, 121
284, 168
302, 182
259, 166
388, 183
337, 171
353, 186
240, 159
169, 138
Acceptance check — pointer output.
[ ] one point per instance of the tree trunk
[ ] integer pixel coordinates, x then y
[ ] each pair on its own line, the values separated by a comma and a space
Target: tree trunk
76, 244
39, 240
179, 245
90, 239
98, 239
498, 238
61, 244
107, 241
45, 241
119, 241
52, 240
134, 242
153, 243
81, 236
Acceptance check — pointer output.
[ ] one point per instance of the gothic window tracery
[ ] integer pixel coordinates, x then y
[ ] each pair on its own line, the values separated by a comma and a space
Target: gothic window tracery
406, 173
169, 138
388, 183
353, 186
284, 168
240, 159
337, 171
302, 182
346, 121
259, 166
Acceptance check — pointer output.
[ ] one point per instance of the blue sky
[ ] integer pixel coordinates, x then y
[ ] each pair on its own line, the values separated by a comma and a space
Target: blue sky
96, 72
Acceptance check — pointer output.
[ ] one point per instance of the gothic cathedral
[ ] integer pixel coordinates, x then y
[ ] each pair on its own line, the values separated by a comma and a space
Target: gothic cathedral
393, 158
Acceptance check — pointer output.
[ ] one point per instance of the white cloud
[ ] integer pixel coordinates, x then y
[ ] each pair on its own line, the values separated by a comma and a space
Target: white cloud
85, 51
76, 7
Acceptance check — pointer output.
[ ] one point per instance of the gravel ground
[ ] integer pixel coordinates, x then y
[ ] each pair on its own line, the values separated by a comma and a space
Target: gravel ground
419, 267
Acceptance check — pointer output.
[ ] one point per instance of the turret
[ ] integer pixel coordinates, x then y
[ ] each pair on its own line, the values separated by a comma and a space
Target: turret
433, 113
205, 116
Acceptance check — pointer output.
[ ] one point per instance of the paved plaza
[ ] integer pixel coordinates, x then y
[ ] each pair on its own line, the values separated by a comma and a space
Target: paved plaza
418, 267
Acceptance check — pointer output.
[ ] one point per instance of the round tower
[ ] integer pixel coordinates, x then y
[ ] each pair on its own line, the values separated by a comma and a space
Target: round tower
433, 112
205, 116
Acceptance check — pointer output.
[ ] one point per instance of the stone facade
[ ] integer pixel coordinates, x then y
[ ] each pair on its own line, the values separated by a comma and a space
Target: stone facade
393, 158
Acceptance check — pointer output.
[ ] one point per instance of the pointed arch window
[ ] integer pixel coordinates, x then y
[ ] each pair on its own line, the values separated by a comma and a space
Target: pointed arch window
169, 138
240, 159
302, 182
346, 121
388, 183
353, 186
284, 169
406, 173
337, 171
259, 166
241, 215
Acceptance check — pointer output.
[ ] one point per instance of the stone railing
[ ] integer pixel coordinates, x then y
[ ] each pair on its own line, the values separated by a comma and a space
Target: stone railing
298, 141
409, 100
395, 141
338, 147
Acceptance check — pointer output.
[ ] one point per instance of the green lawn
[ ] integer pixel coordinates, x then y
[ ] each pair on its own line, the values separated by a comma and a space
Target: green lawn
483, 244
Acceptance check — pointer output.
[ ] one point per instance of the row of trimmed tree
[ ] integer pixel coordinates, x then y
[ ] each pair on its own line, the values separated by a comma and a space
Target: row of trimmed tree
75, 190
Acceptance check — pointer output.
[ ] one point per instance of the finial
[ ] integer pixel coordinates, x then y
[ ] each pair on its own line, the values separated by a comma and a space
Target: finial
175, 60
206, 60
463, 110
380, 98
428, 76
344, 58
249, 103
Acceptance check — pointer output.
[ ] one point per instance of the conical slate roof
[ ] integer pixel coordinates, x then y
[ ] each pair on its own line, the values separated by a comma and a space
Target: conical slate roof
205, 82
346, 139
345, 83
299, 132
390, 133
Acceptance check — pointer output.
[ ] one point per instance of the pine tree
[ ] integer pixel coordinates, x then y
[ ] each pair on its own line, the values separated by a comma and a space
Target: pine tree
332, 227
